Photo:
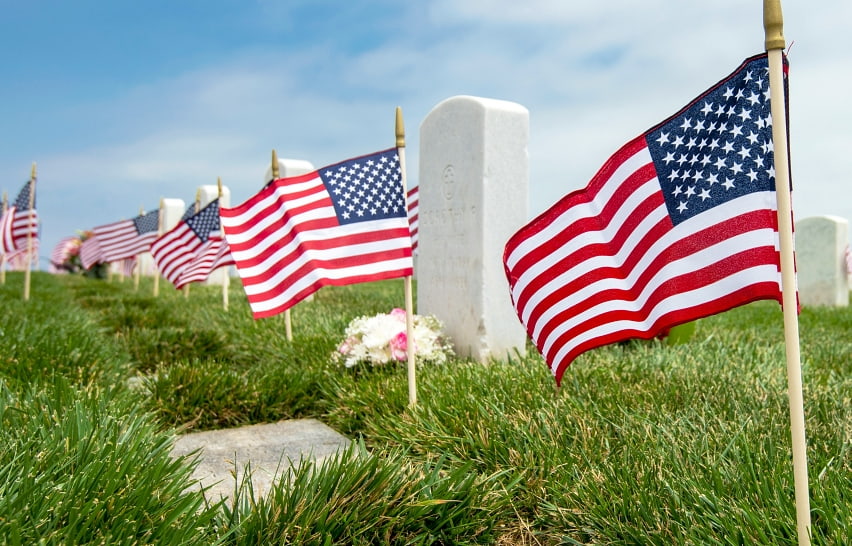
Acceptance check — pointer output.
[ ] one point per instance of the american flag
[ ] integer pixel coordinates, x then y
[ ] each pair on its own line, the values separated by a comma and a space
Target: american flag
176, 249
126, 266
17, 259
19, 223
63, 250
342, 224
678, 224
413, 215
214, 254
90, 251
127, 238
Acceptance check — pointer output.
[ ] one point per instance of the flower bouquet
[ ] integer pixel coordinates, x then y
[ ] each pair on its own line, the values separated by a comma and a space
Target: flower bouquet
382, 339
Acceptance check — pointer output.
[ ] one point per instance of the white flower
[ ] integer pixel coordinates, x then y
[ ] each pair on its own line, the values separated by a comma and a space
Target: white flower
382, 339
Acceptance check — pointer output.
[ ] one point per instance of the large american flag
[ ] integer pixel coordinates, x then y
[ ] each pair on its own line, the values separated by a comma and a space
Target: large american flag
19, 224
127, 238
177, 249
414, 216
679, 224
342, 224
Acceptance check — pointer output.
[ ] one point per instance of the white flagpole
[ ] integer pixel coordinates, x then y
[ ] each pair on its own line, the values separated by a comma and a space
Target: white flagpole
29, 254
409, 298
773, 25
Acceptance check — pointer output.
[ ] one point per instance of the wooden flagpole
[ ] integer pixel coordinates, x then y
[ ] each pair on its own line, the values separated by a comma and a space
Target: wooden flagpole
3, 254
409, 299
137, 274
196, 207
288, 322
773, 24
138, 261
226, 281
29, 255
156, 291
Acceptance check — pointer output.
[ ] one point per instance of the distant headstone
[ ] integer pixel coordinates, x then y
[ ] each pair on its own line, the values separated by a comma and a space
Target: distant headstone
821, 243
474, 171
288, 168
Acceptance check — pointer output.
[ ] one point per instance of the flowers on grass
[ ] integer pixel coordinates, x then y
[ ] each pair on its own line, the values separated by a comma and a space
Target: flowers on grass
382, 339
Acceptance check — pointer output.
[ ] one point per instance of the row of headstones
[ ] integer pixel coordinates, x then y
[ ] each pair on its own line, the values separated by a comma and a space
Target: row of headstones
473, 184
173, 210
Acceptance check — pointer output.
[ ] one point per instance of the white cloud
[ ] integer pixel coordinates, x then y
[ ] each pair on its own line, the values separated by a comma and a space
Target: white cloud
593, 75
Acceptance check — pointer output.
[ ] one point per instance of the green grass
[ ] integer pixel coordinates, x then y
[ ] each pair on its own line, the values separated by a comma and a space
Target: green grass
642, 444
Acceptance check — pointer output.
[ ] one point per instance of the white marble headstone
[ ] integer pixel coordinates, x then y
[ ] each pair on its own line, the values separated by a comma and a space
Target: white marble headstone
473, 177
822, 277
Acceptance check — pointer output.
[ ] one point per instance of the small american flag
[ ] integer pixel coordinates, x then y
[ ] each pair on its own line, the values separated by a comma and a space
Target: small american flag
126, 266
19, 223
178, 248
63, 250
680, 223
127, 238
342, 224
212, 255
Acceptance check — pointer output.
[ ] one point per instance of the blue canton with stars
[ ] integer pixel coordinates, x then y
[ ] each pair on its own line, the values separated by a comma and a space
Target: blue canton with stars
22, 202
719, 147
147, 222
206, 221
366, 188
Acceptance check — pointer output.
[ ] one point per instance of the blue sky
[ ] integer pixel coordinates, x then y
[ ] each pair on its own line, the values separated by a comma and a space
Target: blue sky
122, 103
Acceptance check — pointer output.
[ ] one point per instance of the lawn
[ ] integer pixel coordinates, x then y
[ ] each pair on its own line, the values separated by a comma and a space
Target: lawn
643, 443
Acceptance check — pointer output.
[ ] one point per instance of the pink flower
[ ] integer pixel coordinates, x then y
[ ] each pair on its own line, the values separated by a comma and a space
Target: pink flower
398, 314
399, 346
346, 346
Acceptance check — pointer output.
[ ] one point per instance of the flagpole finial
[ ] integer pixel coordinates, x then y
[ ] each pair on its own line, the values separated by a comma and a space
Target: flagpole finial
400, 129
33, 172
219, 185
274, 165
141, 211
773, 25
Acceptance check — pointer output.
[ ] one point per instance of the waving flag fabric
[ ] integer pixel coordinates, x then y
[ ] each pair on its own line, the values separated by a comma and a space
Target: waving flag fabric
19, 224
680, 223
127, 238
63, 250
214, 254
90, 252
342, 224
177, 249
414, 215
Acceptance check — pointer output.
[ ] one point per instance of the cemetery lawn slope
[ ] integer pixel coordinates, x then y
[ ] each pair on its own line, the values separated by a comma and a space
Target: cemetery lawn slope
643, 442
